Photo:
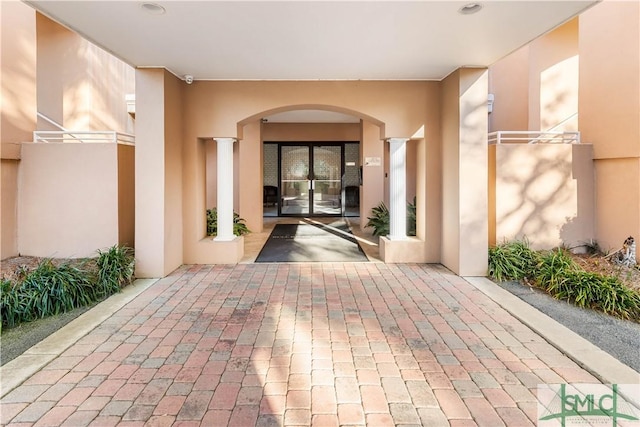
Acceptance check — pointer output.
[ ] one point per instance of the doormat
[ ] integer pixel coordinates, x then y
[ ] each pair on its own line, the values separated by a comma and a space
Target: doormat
311, 243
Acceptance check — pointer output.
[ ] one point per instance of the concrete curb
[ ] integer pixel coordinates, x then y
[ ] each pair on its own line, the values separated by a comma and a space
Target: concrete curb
599, 363
15, 372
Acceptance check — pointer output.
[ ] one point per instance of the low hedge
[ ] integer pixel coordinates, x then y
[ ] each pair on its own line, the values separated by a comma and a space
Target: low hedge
559, 275
51, 289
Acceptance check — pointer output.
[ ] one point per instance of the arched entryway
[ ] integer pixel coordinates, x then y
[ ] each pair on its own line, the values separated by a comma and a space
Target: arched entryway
324, 150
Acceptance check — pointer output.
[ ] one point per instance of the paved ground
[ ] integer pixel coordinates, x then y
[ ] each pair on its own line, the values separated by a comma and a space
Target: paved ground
299, 344
620, 338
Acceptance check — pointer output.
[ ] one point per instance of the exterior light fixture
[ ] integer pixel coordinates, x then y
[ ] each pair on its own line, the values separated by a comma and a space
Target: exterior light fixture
470, 8
153, 8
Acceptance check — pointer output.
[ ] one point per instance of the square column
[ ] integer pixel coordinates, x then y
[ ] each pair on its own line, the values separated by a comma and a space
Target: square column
465, 214
398, 189
225, 189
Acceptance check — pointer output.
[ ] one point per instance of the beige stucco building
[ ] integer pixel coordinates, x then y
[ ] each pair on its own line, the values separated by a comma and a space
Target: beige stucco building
207, 142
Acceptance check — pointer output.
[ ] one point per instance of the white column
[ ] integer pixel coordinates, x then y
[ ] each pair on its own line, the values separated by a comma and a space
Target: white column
225, 188
398, 189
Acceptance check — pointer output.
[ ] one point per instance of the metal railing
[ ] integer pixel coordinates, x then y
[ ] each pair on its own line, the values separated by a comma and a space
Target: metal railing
75, 137
533, 137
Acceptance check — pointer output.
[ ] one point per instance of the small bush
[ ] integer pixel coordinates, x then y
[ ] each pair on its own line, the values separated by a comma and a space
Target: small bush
115, 269
554, 268
604, 293
411, 218
379, 220
512, 261
239, 227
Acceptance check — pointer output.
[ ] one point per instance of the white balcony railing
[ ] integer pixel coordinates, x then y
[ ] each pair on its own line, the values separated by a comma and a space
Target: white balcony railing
533, 137
71, 136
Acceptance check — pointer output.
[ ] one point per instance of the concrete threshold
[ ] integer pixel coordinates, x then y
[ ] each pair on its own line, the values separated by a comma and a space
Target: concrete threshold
15, 372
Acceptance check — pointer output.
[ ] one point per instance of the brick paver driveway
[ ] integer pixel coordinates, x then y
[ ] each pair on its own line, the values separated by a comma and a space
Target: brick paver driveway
299, 344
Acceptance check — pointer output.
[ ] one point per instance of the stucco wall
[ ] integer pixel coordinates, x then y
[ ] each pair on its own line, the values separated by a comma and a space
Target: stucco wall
18, 112
283, 132
249, 181
74, 214
173, 169
9, 208
372, 174
464, 165
610, 114
509, 83
610, 79
223, 109
553, 79
617, 201
126, 195
450, 171
544, 193
597, 55
158, 172
18, 72
80, 86
536, 87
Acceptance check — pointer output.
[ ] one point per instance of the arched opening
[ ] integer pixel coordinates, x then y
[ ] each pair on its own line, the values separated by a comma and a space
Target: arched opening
313, 162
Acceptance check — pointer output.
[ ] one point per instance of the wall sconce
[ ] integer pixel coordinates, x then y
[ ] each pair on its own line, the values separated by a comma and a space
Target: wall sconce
490, 98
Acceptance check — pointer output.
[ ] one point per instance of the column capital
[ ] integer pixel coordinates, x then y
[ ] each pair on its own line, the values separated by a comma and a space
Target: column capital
397, 140
225, 140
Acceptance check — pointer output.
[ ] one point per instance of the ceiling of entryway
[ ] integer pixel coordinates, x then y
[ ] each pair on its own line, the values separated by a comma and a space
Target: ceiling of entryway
311, 40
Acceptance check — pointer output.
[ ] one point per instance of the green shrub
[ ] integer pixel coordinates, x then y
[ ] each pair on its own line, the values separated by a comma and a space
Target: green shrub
51, 289
411, 218
115, 269
512, 261
559, 275
379, 219
554, 268
239, 227
47, 290
599, 292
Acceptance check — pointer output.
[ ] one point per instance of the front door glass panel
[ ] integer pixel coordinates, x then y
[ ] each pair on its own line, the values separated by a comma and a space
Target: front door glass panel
295, 180
327, 180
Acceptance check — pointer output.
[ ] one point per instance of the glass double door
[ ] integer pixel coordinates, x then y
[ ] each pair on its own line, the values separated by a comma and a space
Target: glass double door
311, 179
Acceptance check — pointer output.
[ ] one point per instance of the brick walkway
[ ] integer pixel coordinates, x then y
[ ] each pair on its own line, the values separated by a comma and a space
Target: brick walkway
299, 344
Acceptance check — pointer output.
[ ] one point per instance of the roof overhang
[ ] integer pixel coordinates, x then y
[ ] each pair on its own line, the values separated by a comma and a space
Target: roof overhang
311, 40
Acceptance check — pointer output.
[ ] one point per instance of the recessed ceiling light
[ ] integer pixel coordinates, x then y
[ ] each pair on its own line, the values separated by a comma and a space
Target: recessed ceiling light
153, 8
470, 8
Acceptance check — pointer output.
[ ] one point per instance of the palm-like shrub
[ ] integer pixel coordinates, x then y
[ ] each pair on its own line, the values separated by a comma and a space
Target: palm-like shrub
239, 227
379, 219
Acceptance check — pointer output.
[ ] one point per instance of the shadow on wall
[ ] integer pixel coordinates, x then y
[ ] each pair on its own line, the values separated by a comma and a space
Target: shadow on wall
559, 96
18, 85
80, 86
543, 192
